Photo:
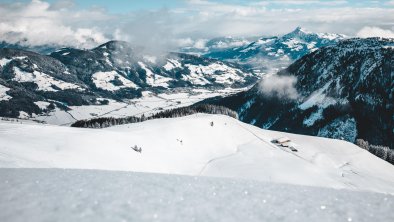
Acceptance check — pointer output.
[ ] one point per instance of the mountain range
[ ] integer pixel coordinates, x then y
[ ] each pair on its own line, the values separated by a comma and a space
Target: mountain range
114, 70
268, 54
342, 91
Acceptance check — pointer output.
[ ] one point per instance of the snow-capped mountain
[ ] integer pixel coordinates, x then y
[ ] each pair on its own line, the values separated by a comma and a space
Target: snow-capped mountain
218, 44
281, 50
342, 91
170, 71
35, 83
197, 145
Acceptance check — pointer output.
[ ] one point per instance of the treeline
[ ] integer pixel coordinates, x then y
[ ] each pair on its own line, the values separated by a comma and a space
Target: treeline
104, 122
382, 152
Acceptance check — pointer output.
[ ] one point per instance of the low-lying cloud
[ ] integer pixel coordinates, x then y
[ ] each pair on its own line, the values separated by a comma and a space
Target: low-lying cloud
279, 86
152, 31
375, 32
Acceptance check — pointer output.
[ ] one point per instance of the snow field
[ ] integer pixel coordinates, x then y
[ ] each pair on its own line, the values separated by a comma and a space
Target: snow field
91, 195
191, 146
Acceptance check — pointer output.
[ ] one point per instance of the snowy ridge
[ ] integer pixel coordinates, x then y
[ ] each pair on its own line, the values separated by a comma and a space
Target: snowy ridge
153, 79
103, 80
43, 81
221, 73
172, 64
192, 146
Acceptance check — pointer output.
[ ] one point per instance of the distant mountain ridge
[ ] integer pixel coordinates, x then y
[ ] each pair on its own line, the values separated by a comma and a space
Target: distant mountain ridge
41, 49
202, 46
277, 51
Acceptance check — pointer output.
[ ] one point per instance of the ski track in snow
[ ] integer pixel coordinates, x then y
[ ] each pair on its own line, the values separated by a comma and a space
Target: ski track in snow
71, 115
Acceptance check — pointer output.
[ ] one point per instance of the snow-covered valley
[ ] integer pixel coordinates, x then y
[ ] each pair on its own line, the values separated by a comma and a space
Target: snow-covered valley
192, 146
150, 103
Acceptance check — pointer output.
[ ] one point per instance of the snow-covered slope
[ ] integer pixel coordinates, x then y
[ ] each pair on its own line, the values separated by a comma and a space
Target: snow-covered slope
191, 146
91, 195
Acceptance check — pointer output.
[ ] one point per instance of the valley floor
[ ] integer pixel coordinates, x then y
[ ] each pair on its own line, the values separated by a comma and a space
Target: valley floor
147, 105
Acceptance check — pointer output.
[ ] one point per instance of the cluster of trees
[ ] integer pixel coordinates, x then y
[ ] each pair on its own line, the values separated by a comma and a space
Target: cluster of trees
104, 122
199, 108
382, 152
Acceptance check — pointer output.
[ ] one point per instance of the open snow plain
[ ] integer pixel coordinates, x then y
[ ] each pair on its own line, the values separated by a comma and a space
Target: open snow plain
191, 146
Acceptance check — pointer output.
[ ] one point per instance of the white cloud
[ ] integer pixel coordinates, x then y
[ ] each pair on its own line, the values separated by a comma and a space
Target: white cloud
302, 2
37, 23
375, 32
154, 31
390, 3
279, 86
299, 2
220, 8
221, 19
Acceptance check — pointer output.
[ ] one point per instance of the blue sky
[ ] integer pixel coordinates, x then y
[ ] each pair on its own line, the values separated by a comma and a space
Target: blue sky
84, 23
125, 6
122, 6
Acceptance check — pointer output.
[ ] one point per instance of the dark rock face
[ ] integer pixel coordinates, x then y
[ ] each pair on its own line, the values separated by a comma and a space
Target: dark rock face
346, 91
114, 70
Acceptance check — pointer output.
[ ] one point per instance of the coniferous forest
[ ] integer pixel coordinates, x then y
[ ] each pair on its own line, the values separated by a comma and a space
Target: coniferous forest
104, 122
